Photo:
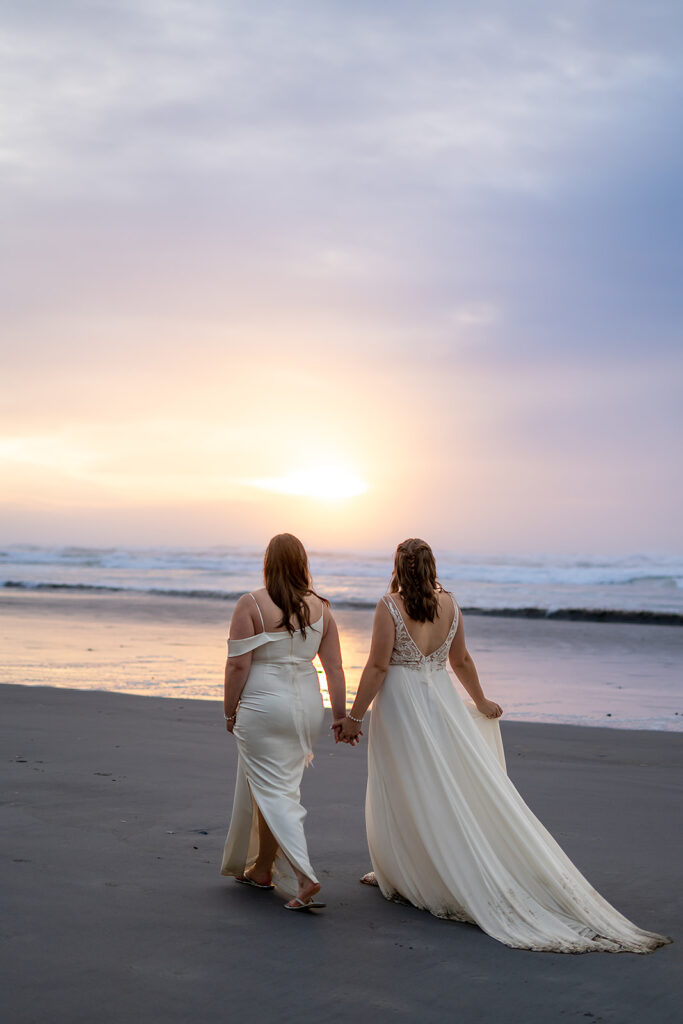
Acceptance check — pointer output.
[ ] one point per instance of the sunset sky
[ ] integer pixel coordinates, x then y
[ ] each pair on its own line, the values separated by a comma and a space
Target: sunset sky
419, 262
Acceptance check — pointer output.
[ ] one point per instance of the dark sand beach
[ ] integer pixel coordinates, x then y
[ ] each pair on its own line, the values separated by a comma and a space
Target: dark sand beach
115, 812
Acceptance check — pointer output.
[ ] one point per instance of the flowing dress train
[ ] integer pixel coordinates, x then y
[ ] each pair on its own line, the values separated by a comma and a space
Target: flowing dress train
279, 716
448, 831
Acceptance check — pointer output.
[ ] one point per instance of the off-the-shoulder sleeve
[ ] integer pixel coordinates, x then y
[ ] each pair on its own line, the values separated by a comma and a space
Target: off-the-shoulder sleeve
249, 643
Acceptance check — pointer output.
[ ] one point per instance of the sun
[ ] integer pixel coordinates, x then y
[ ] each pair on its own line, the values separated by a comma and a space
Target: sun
327, 483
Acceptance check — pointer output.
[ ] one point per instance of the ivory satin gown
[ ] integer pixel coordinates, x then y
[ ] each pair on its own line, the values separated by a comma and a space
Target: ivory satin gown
448, 831
280, 714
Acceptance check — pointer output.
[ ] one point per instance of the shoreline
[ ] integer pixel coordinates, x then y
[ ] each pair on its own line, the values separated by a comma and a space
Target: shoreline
554, 730
504, 721
620, 675
569, 614
116, 813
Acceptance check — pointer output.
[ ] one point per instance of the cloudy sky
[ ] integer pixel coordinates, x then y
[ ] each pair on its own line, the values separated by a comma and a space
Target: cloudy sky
420, 262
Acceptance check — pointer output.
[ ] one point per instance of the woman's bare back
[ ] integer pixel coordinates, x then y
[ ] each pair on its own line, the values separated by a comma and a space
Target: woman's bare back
428, 636
272, 615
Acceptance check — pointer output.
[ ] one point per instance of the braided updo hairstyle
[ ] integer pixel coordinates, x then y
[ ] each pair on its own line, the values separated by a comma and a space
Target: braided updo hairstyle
415, 577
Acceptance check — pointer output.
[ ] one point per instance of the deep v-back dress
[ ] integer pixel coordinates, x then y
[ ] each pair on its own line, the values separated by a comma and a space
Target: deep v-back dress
448, 831
279, 716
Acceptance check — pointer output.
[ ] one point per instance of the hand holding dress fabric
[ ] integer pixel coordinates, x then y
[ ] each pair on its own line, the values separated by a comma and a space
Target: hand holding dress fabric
489, 708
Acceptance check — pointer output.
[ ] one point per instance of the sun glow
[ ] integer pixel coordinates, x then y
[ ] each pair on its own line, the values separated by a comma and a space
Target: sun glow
325, 483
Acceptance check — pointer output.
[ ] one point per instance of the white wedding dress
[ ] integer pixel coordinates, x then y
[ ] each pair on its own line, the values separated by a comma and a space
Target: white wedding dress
448, 831
280, 714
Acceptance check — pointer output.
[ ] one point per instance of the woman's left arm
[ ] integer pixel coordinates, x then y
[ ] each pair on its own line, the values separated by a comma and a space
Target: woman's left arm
381, 646
330, 656
237, 668
465, 669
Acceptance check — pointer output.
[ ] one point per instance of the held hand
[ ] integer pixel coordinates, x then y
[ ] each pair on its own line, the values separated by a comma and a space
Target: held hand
336, 728
490, 708
350, 732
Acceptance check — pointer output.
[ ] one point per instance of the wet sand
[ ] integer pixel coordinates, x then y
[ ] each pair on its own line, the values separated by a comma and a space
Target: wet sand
615, 674
115, 812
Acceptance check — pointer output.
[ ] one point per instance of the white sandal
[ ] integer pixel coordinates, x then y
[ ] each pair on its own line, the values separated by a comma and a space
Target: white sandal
311, 904
369, 879
246, 880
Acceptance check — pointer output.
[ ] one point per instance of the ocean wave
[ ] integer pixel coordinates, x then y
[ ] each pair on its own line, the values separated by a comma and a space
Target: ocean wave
226, 561
103, 588
365, 568
615, 615
584, 614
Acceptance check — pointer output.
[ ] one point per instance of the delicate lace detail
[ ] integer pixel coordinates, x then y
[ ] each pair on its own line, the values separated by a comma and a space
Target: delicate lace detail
406, 651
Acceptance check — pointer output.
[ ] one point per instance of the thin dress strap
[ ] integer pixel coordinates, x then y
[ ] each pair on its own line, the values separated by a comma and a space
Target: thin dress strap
395, 613
258, 607
456, 617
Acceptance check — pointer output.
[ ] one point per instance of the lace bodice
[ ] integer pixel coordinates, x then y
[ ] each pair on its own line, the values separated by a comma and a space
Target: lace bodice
406, 651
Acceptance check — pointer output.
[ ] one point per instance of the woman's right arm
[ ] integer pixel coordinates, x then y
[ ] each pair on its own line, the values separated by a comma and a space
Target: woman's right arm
381, 646
237, 668
465, 669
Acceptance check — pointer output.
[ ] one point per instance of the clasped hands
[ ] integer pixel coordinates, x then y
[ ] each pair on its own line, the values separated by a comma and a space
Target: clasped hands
346, 731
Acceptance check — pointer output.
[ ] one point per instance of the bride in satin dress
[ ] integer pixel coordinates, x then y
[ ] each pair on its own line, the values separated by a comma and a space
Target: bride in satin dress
273, 707
447, 830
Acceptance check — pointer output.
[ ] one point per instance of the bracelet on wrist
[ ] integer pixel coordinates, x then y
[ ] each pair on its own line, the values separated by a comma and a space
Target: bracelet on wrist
229, 718
358, 721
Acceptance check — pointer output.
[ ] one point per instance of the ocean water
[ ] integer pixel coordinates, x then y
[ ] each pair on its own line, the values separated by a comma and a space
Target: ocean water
638, 587
133, 620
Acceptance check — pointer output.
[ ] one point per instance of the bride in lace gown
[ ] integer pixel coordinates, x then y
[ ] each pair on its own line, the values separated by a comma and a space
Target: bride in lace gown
447, 830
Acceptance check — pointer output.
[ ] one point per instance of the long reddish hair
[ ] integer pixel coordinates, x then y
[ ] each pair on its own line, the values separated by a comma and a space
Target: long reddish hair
288, 580
415, 577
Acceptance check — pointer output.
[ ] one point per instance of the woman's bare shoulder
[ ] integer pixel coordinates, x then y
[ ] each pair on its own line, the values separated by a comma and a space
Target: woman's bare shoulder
242, 618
